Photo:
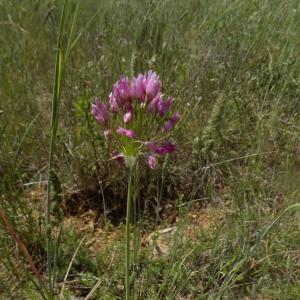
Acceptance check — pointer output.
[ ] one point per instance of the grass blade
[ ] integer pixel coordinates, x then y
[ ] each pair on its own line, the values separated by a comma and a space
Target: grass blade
54, 125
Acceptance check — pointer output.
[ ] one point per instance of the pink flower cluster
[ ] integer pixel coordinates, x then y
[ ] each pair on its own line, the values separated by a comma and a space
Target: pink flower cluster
139, 96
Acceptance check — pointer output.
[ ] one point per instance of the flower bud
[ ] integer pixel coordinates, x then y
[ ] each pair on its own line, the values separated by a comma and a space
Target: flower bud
169, 124
164, 148
127, 118
153, 105
164, 106
126, 132
152, 162
152, 85
99, 112
137, 90
124, 89
115, 100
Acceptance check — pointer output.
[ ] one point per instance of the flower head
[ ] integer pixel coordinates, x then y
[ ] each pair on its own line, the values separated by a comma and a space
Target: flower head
137, 110
99, 112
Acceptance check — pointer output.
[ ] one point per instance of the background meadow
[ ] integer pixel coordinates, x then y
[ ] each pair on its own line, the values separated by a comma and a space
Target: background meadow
219, 219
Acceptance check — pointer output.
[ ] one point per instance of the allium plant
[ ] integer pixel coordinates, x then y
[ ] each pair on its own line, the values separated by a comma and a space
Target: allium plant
136, 123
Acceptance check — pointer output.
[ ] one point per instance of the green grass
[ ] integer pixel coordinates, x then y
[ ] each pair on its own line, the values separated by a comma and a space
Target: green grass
233, 68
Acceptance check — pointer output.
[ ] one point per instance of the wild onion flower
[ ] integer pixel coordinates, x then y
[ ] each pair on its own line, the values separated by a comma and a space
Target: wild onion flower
115, 100
153, 105
152, 84
99, 112
169, 124
164, 106
123, 87
137, 90
136, 123
137, 114
161, 149
127, 118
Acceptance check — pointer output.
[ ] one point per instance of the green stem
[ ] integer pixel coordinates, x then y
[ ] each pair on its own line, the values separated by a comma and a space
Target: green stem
128, 213
136, 210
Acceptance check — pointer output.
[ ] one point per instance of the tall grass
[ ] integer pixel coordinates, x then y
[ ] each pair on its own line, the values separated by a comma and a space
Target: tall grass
53, 134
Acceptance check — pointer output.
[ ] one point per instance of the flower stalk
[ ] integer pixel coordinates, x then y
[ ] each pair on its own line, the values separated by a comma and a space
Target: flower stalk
128, 220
